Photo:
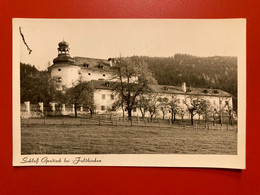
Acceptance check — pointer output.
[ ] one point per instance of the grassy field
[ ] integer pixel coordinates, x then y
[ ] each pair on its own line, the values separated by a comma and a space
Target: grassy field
74, 138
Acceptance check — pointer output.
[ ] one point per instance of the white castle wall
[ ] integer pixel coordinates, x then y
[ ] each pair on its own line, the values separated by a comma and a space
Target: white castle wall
69, 74
88, 75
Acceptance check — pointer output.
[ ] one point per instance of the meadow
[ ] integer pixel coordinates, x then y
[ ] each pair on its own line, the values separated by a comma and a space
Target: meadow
77, 136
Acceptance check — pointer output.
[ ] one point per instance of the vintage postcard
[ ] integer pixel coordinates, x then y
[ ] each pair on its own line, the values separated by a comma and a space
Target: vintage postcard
129, 92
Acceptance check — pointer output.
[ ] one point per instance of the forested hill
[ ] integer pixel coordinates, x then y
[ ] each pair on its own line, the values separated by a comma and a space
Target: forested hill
216, 72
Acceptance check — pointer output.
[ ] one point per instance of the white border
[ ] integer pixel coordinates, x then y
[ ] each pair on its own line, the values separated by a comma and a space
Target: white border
143, 160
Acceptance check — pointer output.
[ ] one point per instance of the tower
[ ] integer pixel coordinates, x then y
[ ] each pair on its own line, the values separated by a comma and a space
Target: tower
64, 67
63, 54
63, 47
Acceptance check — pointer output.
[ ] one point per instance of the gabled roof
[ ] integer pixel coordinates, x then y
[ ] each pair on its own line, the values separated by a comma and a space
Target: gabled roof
83, 63
93, 64
166, 89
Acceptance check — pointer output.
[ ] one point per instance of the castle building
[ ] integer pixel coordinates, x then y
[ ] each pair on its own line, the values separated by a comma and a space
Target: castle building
69, 70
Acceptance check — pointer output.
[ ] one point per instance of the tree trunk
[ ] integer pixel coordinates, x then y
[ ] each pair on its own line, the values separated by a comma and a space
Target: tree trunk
142, 112
129, 111
191, 118
75, 109
122, 107
172, 115
220, 119
91, 112
199, 118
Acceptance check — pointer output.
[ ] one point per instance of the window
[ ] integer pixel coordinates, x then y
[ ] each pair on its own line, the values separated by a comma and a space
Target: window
104, 75
103, 96
112, 97
89, 73
86, 65
102, 107
59, 69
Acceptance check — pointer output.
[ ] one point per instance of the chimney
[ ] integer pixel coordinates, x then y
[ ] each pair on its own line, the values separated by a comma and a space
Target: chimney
184, 87
110, 61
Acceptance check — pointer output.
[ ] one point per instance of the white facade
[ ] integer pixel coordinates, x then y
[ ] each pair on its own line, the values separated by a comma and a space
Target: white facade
67, 74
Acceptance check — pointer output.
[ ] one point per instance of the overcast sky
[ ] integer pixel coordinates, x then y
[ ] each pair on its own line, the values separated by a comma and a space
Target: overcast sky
105, 38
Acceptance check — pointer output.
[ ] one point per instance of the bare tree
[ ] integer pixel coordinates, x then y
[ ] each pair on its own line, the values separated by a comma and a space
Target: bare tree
133, 78
142, 104
181, 112
202, 109
152, 105
174, 106
192, 104
164, 105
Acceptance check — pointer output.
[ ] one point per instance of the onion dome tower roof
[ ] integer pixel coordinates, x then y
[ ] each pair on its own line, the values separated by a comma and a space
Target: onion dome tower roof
63, 43
63, 53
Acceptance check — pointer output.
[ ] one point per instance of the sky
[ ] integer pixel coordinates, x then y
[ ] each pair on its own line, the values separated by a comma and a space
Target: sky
106, 38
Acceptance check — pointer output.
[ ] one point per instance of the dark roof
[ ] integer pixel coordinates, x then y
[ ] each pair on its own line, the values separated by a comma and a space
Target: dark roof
167, 89
102, 84
63, 43
63, 58
189, 90
93, 64
87, 64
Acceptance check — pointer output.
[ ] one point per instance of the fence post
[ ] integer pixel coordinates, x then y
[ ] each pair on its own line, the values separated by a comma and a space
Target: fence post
196, 126
52, 106
131, 121
41, 106
63, 109
27, 106
208, 126
99, 123
227, 127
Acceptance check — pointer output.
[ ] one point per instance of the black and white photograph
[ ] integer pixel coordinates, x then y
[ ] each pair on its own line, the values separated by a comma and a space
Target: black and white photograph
129, 92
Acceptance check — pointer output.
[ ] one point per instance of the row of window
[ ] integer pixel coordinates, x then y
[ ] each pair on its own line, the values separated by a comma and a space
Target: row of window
111, 96
103, 74
103, 108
